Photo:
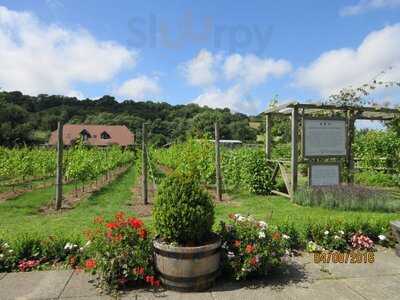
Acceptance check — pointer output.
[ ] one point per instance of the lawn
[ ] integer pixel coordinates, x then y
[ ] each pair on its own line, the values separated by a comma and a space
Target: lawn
21, 214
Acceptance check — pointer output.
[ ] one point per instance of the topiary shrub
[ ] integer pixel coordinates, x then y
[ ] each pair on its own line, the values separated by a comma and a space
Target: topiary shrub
183, 212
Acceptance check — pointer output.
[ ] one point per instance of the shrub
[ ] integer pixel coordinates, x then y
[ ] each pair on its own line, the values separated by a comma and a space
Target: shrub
251, 248
374, 178
247, 169
7, 257
119, 252
183, 211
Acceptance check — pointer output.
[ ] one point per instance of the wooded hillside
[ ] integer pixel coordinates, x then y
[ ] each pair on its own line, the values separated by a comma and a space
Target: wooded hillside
29, 120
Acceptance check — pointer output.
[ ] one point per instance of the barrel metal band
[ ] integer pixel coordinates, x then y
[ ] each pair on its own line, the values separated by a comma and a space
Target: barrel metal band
186, 255
206, 277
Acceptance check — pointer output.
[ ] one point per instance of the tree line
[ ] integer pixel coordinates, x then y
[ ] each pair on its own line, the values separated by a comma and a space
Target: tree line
28, 120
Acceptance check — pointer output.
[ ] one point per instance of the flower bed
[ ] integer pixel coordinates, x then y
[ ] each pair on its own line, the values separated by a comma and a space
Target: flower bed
119, 251
251, 247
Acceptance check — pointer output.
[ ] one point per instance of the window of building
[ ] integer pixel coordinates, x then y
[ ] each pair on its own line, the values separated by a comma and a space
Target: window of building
85, 135
105, 136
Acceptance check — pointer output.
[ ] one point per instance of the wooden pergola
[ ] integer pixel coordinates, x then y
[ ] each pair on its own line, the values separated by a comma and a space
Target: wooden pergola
297, 111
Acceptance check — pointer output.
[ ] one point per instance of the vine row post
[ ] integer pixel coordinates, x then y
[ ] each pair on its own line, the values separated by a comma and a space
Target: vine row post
294, 152
59, 173
218, 163
144, 164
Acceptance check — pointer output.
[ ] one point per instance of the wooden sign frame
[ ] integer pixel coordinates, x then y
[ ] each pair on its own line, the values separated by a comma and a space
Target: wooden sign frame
303, 133
336, 164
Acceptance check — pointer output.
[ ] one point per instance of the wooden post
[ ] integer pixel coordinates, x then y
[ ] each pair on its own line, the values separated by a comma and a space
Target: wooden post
218, 163
268, 137
294, 154
144, 165
59, 173
349, 148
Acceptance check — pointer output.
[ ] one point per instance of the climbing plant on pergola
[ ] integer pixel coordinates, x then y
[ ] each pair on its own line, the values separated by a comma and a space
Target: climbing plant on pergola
297, 112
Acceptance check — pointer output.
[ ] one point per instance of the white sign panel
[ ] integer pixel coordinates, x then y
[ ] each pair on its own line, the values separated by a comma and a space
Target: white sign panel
324, 137
324, 175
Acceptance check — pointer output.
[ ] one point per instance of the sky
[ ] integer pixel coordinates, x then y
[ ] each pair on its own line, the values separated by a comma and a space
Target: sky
235, 54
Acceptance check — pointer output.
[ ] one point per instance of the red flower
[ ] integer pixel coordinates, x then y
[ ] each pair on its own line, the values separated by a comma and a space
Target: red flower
112, 225
249, 248
90, 264
142, 233
135, 223
231, 216
237, 243
253, 261
150, 279
156, 283
25, 265
139, 271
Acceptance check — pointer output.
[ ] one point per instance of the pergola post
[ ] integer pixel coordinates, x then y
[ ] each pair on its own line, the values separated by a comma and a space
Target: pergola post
349, 150
268, 137
294, 152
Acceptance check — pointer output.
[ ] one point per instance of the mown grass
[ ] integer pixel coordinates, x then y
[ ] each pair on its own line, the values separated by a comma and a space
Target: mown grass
21, 215
276, 210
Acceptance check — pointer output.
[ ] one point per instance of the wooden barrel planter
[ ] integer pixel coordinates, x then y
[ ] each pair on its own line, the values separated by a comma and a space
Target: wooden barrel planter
187, 268
396, 231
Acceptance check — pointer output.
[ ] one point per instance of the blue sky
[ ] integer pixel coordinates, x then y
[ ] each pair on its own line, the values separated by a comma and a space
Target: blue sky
216, 53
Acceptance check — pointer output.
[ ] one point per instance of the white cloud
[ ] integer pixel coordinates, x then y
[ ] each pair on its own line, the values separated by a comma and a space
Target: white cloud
243, 72
253, 70
340, 68
367, 5
235, 98
201, 70
140, 88
39, 58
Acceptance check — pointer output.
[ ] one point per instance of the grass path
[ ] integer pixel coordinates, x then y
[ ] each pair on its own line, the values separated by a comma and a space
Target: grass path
277, 209
21, 214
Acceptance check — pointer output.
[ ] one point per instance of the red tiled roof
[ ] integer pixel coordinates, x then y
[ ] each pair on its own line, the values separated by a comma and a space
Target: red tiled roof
119, 135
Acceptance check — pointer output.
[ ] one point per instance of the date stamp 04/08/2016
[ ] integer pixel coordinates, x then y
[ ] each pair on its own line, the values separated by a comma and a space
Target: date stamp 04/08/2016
352, 257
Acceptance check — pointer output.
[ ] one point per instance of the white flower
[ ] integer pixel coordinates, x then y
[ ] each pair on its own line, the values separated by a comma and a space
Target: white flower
326, 232
68, 246
5, 245
231, 254
81, 249
250, 218
382, 237
224, 245
341, 232
241, 219
261, 234
10, 251
262, 224
237, 216
286, 237
336, 237
88, 243
1, 255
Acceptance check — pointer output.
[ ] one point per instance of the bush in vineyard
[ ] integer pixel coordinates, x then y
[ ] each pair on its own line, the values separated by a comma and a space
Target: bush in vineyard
246, 168
242, 168
193, 156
